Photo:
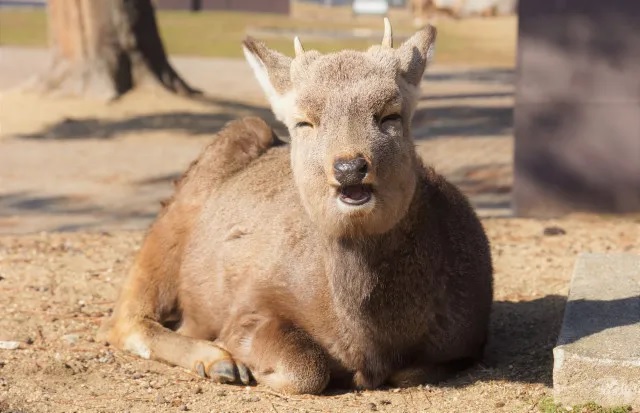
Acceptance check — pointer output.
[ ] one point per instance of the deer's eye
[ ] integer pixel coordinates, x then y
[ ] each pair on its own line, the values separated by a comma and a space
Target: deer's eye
395, 117
304, 124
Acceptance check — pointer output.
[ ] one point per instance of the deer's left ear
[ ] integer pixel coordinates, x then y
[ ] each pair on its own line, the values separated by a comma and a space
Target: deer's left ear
272, 69
415, 54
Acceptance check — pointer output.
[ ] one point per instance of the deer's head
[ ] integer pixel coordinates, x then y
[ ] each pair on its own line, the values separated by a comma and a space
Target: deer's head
349, 115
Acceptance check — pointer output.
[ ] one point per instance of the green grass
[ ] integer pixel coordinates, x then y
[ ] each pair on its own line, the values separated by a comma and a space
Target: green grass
218, 34
547, 405
23, 28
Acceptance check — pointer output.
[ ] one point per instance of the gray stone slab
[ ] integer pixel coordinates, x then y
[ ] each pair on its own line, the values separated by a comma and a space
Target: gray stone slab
597, 358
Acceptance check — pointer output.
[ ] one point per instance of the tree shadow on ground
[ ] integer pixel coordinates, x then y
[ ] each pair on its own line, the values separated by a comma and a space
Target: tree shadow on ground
461, 96
86, 212
188, 122
487, 186
159, 179
469, 120
482, 178
463, 121
429, 123
497, 76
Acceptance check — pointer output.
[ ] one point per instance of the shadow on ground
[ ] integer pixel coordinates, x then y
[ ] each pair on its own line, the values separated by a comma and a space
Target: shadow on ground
495, 76
429, 123
462, 96
523, 334
186, 122
483, 178
434, 122
488, 186
85, 212
466, 121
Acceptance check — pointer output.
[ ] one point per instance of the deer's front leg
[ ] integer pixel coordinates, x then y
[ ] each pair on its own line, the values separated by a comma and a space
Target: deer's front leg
279, 354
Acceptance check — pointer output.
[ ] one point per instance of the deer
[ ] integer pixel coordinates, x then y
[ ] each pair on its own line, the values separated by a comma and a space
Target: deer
335, 259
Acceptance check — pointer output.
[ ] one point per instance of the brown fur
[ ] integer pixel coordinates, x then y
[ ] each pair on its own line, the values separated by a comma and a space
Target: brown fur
262, 268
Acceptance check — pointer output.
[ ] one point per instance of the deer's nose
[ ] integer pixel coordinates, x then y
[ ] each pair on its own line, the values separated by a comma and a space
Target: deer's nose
350, 171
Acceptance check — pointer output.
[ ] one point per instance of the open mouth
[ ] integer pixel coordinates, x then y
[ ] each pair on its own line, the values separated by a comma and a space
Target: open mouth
355, 194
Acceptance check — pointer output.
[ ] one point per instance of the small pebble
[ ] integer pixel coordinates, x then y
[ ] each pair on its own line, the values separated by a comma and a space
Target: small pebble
160, 399
385, 402
9, 345
137, 376
553, 231
373, 407
71, 338
499, 404
108, 357
184, 408
197, 390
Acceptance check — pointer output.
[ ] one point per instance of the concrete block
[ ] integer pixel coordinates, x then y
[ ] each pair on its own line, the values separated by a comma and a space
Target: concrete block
597, 358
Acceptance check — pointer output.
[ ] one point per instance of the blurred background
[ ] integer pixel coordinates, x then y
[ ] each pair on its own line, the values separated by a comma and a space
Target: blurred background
105, 103
88, 142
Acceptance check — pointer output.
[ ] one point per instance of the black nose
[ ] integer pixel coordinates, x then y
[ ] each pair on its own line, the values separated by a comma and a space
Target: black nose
350, 171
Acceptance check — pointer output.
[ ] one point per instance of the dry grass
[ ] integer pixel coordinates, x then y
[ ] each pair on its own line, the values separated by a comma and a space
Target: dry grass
218, 34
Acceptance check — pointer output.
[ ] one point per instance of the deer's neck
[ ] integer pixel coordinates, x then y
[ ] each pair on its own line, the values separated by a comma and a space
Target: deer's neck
367, 274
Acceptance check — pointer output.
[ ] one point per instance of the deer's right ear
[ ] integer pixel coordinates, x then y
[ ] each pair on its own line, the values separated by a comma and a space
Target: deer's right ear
415, 54
272, 69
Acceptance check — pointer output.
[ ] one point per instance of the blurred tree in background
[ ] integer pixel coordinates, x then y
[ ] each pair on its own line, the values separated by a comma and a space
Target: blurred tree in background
105, 48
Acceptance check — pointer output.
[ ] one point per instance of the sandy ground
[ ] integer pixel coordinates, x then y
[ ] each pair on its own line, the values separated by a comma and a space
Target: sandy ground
57, 288
97, 172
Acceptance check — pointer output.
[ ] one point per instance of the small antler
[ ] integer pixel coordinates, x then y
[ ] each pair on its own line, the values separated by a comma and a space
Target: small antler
387, 39
297, 46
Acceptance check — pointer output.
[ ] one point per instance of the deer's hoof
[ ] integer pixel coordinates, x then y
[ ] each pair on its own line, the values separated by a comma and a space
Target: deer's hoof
224, 371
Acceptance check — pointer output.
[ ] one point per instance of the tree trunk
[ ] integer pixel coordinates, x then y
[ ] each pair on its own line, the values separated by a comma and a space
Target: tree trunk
104, 48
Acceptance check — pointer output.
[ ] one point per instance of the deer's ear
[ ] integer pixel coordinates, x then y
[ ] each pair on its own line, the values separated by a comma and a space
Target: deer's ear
272, 69
415, 54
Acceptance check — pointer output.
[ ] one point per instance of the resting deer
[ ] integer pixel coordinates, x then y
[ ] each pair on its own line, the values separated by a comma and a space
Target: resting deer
339, 257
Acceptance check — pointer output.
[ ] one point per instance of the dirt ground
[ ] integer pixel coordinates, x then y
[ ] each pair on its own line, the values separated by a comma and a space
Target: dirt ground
80, 180
57, 288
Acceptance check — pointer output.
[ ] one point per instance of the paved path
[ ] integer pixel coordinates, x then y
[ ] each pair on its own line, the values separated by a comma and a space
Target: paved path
69, 164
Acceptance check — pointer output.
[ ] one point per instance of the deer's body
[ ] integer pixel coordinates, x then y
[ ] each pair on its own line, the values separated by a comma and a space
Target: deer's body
300, 281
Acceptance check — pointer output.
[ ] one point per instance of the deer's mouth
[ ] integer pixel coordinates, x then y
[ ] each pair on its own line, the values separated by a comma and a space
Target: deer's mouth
355, 195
